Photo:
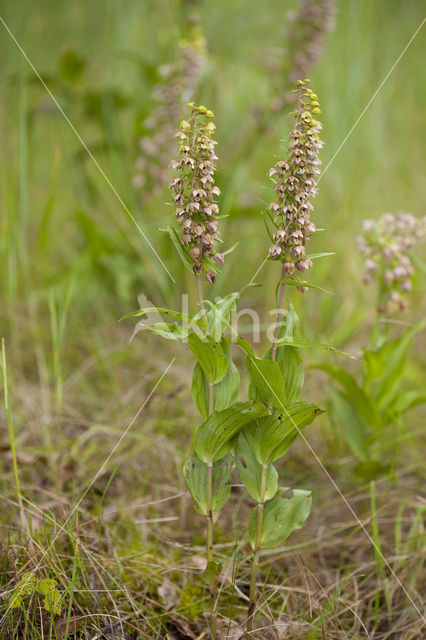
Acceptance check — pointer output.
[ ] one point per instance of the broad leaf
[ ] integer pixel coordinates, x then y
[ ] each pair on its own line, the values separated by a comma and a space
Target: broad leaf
306, 344
290, 362
271, 437
210, 357
358, 397
353, 428
289, 359
266, 378
195, 472
394, 355
184, 317
213, 439
281, 516
219, 315
173, 331
225, 392
200, 391
250, 469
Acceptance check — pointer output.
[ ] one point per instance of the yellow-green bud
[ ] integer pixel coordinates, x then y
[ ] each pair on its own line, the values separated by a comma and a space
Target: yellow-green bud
315, 103
202, 109
316, 110
209, 114
299, 83
190, 105
185, 126
306, 80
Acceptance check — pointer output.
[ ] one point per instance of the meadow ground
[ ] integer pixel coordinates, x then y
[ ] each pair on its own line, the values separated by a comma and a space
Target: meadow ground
109, 517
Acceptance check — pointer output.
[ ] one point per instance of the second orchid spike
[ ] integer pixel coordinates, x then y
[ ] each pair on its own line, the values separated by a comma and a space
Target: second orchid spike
295, 185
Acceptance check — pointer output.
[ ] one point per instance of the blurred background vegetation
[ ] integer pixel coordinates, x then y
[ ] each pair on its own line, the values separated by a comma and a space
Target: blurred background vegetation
73, 261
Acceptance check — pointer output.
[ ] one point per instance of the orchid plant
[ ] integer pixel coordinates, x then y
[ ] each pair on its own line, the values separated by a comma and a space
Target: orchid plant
250, 435
367, 408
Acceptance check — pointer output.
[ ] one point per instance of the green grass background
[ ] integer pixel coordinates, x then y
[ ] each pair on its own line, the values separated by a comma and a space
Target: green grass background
72, 263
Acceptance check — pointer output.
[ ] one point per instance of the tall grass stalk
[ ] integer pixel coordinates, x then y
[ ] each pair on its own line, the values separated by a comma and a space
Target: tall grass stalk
24, 522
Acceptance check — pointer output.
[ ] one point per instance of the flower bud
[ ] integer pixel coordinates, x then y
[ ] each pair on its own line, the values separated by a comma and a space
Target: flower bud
219, 258
196, 267
211, 277
195, 253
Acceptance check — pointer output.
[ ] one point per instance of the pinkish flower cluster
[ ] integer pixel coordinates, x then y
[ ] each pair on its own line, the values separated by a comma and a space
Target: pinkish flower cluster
306, 32
386, 244
178, 83
295, 186
194, 191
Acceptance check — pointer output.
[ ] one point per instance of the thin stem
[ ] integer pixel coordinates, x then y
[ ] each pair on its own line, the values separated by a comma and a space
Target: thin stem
210, 532
200, 297
209, 496
279, 315
256, 552
12, 438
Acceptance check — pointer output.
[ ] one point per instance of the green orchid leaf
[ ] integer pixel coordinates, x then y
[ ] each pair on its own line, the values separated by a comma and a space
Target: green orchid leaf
306, 344
353, 428
294, 282
315, 256
290, 361
289, 358
391, 362
160, 311
275, 434
250, 469
200, 391
219, 315
178, 333
195, 473
182, 253
213, 439
225, 392
358, 397
281, 516
266, 378
210, 357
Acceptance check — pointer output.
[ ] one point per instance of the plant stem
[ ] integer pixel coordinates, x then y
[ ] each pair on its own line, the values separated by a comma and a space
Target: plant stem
209, 496
210, 532
256, 552
210, 553
200, 297
24, 522
279, 315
